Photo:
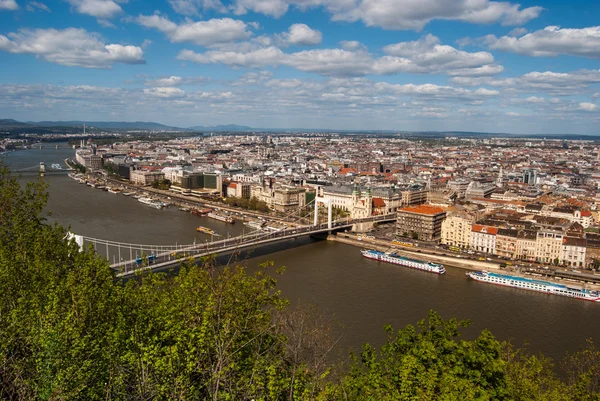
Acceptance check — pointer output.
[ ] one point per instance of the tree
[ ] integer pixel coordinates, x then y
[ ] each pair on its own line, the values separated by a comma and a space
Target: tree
429, 364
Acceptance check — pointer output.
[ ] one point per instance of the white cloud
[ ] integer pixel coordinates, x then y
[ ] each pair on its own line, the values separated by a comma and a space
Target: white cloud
400, 14
301, 34
8, 5
35, 5
551, 41
588, 106
558, 83
70, 47
193, 7
519, 31
203, 33
174, 80
254, 58
427, 55
414, 15
352, 45
97, 8
535, 99
164, 92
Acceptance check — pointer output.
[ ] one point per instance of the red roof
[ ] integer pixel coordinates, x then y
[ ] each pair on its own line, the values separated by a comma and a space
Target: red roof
232, 185
347, 170
478, 228
378, 202
423, 209
586, 213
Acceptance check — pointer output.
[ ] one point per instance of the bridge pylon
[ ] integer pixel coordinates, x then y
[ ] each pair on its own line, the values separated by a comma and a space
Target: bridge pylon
327, 202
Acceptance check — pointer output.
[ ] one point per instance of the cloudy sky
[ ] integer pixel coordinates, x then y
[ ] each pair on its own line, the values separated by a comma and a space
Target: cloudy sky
474, 65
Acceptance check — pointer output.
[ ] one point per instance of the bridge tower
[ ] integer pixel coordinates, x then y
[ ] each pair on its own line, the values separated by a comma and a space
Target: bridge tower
42, 169
327, 202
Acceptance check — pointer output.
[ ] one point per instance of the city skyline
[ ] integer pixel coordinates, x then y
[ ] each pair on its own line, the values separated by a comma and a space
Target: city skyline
529, 67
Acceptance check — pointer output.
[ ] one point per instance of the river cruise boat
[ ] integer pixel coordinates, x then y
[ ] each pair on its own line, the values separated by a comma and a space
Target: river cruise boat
151, 202
256, 225
524, 283
220, 217
205, 230
392, 257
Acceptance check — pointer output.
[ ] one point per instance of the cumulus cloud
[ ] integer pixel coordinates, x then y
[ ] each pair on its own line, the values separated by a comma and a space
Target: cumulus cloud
97, 8
70, 47
165, 92
427, 55
551, 41
588, 106
424, 56
558, 83
8, 5
401, 14
193, 7
174, 80
301, 34
203, 33
519, 31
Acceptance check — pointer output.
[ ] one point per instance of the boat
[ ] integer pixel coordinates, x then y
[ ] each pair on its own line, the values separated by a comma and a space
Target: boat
136, 196
184, 209
220, 217
392, 257
128, 193
201, 212
114, 190
205, 230
257, 225
151, 202
546, 287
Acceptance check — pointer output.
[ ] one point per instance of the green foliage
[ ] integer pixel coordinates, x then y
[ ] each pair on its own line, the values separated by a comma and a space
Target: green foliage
69, 330
248, 204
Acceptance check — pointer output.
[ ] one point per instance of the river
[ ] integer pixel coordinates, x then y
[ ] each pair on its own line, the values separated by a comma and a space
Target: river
362, 294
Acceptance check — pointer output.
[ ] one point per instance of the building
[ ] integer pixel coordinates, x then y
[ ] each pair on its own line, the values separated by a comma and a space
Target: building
507, 243
238, 190
527, 245
279, 197
197, 182
143, 177
414, 196
549, 246
530, 176
456, 230
421, 222
573, 252
479, 190
483, 238
90, 161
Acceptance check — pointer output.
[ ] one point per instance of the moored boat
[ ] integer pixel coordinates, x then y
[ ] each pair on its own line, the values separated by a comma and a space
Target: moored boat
220, 217
151, 202
525, 283
391, 257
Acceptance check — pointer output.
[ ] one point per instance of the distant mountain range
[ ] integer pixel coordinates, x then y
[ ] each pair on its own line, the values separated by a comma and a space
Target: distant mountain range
108, 125
17, 127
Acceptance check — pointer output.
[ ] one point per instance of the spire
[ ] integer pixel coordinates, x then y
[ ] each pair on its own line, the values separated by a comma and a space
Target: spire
499, 182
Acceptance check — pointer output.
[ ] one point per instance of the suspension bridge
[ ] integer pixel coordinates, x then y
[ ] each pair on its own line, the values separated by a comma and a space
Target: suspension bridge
129, 258
42, 169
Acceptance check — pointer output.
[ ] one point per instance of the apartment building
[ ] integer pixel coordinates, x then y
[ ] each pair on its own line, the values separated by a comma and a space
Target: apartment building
456, 230
483, 238
423, 221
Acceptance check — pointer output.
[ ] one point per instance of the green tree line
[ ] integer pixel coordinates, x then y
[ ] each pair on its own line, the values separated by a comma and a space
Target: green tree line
70, 330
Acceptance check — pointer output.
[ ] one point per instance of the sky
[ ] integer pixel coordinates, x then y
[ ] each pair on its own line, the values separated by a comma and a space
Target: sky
405, 65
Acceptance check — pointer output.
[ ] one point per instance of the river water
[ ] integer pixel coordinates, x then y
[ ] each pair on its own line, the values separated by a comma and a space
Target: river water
362, 294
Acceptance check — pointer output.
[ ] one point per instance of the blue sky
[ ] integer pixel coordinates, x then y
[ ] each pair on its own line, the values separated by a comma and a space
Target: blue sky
473, 65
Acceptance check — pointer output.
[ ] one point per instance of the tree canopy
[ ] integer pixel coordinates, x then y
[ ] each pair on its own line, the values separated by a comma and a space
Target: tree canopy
70, 330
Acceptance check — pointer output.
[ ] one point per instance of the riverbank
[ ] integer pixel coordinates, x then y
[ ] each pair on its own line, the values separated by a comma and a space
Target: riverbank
384, 246
468, 264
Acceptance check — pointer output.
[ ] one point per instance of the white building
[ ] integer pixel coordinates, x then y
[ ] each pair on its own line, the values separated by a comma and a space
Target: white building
483, 238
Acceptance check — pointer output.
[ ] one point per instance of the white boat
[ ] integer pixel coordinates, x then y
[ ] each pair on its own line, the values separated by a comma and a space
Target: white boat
151, 202
257, 225
114, 190
401, 260
524, 283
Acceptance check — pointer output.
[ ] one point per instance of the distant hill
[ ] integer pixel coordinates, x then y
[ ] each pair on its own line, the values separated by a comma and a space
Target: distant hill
10, 123
110, 125
219, 128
